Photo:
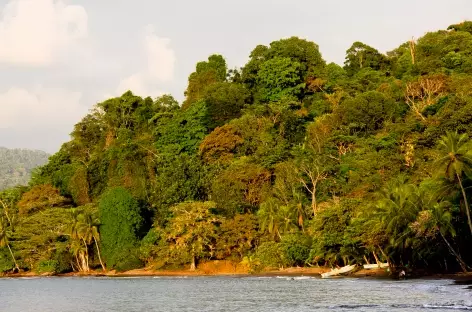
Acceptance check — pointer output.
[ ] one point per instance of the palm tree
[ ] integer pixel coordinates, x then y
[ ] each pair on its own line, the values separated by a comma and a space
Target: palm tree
88, 228
78, 251
5, 211
73, 230
398, 207
456, 159
395, 210
441, 219
4, 240
269, 216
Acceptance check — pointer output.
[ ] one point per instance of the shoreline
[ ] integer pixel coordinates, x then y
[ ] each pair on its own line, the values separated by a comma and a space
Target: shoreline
288, 272
178, 273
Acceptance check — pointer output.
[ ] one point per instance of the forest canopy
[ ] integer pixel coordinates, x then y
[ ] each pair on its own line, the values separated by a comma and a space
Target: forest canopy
287, 161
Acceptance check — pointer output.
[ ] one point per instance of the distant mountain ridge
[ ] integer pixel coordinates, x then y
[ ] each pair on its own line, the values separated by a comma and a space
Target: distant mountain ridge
17, 164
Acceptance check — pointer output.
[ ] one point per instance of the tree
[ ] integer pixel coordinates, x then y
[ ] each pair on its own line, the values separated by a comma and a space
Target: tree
41, 197
454, 161
276, 218
287, 190
318, 132
183, 132
180, 178
193, 230
249, 72
225, 101
6, 210
397, 207
425, 92
128, 112
87, 228
395, 210
300, 51
78, 244
89, 133
221, 144
360, 56
328, 231
237, 236
240, 188
368, 110
464, 26
436, 220
311, 172
121, 226
279, 77
4, 239
207, 73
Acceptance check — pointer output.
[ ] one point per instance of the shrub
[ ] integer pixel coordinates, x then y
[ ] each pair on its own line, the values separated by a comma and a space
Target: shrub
48, 266
296, 249
368, 110
6, 263
270, 255
129, 263
64, 260
148, 246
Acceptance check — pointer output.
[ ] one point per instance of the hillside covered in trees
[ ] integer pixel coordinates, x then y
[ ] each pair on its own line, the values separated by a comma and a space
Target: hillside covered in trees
16, 166
287, 161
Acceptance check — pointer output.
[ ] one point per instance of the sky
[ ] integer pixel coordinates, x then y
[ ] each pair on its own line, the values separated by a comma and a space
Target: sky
58, 58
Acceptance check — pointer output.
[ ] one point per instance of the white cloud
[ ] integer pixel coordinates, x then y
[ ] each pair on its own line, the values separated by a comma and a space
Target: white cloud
160, 57
34, 32
40, 107
159, 67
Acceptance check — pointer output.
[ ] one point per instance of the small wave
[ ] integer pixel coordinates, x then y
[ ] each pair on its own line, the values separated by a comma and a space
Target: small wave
130, 277
261, 277
447, 307
291, 278
401, 306
355, 306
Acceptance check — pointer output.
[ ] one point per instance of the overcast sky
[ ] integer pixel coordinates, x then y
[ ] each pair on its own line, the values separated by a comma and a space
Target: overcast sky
59, 58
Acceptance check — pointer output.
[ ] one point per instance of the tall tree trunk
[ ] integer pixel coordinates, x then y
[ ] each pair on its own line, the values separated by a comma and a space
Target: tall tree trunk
313, 200
467, 211
13, 257
5, 210
86, 257
84, 262
99, 256
412, 50
79, 266
458, 257
376, 258
385, 255
193, 265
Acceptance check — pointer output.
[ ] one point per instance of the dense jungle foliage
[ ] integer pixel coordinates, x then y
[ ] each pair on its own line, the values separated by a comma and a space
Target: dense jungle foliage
287, 161
16, 166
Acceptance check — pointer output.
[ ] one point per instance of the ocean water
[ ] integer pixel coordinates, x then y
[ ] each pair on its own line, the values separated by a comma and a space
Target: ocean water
230, 294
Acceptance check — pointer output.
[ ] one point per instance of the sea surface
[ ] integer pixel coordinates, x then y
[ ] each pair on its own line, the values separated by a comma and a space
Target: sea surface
230, 294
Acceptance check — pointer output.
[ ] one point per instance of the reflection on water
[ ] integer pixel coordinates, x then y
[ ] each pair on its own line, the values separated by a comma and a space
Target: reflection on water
230, 294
